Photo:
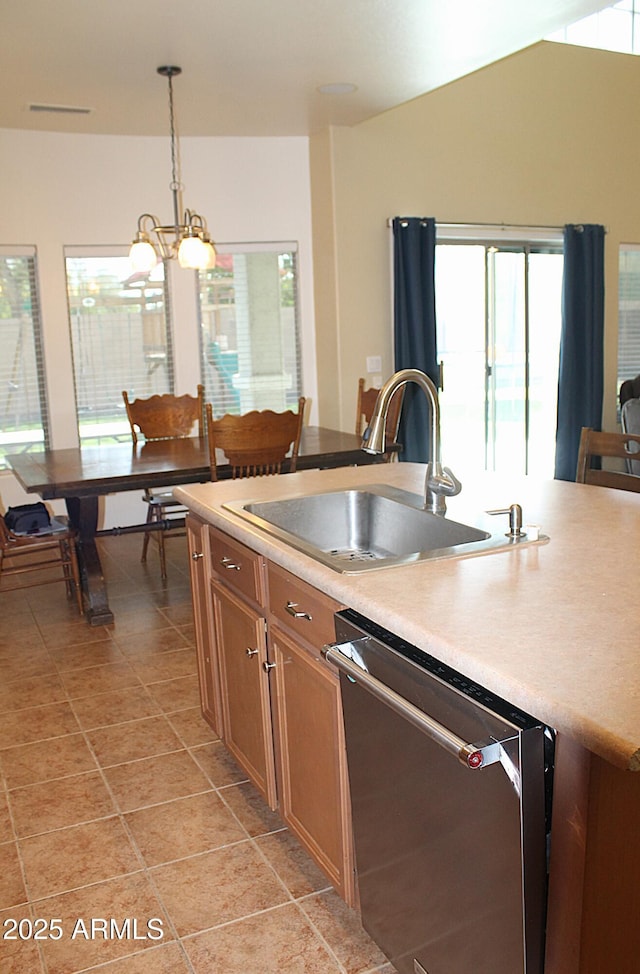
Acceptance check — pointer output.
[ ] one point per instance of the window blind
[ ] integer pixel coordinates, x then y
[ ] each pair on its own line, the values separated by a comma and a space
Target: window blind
628, 313
250, 334
120, 338
23, 403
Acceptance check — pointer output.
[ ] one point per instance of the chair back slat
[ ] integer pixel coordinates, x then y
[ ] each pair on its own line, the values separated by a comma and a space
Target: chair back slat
594, 444
366, 403
166, 417
256, 443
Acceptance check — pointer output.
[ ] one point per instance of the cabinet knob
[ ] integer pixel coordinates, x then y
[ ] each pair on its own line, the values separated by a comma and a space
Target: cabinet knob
197, 555
266, 666
251, 652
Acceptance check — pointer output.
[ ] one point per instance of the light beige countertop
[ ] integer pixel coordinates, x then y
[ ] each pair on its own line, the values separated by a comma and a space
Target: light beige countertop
553, 627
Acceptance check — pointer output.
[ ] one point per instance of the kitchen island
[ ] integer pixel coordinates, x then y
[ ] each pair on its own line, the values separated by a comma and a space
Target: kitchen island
551, 627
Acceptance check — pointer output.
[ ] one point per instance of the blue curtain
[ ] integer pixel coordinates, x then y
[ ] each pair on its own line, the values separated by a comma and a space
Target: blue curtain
414, 249
581, 372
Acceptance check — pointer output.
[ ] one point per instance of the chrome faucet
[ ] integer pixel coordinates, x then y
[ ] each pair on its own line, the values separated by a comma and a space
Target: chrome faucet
439, 481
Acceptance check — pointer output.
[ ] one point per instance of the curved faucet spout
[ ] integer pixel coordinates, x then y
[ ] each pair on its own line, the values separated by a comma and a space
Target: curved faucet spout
439, 480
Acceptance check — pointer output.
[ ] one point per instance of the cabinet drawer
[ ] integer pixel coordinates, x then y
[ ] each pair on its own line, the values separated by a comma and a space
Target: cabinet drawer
300, 607
238, 566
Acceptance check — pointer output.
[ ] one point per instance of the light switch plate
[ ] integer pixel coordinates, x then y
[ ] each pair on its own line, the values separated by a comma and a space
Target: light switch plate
374, 363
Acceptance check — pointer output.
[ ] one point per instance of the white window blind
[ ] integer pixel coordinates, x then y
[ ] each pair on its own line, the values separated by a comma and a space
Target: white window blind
628, 313
23, 406
120, 338
250, 336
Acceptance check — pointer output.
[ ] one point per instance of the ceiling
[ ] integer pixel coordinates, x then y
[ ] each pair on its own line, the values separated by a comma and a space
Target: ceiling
250, 67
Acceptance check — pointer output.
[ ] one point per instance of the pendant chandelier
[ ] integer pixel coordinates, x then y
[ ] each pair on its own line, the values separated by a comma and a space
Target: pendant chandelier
188, 240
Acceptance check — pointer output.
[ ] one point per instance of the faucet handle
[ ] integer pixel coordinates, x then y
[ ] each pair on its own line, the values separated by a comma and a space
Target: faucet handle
454, 486
515, 520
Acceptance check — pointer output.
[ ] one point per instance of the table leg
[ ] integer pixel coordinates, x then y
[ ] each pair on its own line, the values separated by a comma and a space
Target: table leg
83, 514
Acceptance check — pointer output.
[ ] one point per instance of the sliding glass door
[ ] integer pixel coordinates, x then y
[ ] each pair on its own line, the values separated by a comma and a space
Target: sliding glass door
498, 315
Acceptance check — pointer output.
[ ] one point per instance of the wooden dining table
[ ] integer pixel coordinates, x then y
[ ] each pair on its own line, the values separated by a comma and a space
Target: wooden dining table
82, 475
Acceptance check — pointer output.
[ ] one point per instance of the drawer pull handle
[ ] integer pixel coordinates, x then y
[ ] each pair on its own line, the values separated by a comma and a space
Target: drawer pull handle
266, 666
251, 652
197, 555
231, 565
292, 609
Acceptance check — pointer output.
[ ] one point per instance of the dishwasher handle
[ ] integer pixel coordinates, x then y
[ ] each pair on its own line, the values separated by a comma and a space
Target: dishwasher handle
470, 755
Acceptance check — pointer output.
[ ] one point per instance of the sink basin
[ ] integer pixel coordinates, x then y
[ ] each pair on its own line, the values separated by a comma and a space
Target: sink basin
362, 529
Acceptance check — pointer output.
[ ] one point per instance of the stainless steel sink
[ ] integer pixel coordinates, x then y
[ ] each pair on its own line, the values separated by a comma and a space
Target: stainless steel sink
378, 526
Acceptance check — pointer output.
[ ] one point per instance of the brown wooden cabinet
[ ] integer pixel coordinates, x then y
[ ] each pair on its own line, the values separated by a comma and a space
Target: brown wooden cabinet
309, 735
279, 710
246, 705
209, 678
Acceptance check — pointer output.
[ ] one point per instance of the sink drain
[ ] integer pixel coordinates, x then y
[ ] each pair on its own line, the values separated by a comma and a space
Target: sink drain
354, 554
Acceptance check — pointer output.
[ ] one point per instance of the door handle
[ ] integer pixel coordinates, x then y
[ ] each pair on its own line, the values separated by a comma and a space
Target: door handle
472, 756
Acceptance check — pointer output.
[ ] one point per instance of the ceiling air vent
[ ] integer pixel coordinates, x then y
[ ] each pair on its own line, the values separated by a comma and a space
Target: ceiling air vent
60, 109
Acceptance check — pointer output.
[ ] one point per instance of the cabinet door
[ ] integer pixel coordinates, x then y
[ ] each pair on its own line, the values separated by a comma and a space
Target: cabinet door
311, 758
242, 651
208, 674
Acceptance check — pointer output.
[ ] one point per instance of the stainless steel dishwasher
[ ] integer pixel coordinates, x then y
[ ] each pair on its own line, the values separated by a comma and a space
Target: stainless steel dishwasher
451, 795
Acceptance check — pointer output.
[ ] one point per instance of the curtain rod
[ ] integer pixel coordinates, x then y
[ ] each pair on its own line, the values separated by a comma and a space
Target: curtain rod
495, 227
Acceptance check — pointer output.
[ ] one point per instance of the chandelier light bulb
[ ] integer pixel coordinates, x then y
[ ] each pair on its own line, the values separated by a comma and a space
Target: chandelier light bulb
142, 255
193, 253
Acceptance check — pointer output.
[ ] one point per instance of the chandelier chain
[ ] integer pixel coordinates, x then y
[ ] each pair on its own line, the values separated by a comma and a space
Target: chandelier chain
175, 184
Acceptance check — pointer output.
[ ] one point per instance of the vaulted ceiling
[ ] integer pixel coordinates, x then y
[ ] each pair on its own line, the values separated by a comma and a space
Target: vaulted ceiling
250, 67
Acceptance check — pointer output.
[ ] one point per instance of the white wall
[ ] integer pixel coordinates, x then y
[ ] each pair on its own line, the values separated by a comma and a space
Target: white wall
61, 190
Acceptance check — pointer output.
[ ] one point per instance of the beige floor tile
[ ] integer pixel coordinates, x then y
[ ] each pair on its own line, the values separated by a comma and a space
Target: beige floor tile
21, 662
115, 707
18, 954
105, 678
250, 808
139, 619
60, 803
37, 724
179, 694
12, 890
294, 866
80, 655
217, 763
76, 633
184, 828
132, 740
166, 666
44, 760
149, 645
179, 615
113, 906
217, 887
169, 959
36, 691
281, 939
342, 930
77, 856
19, 635
192, 728
157, 779
6, 828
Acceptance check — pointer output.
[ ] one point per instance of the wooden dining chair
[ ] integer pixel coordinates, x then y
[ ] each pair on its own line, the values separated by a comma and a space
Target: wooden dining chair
38, 559
256, 443
593, 444
367, 399
164, 417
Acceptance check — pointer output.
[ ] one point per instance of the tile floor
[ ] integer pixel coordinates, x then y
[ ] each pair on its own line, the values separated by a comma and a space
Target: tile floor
130, 843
